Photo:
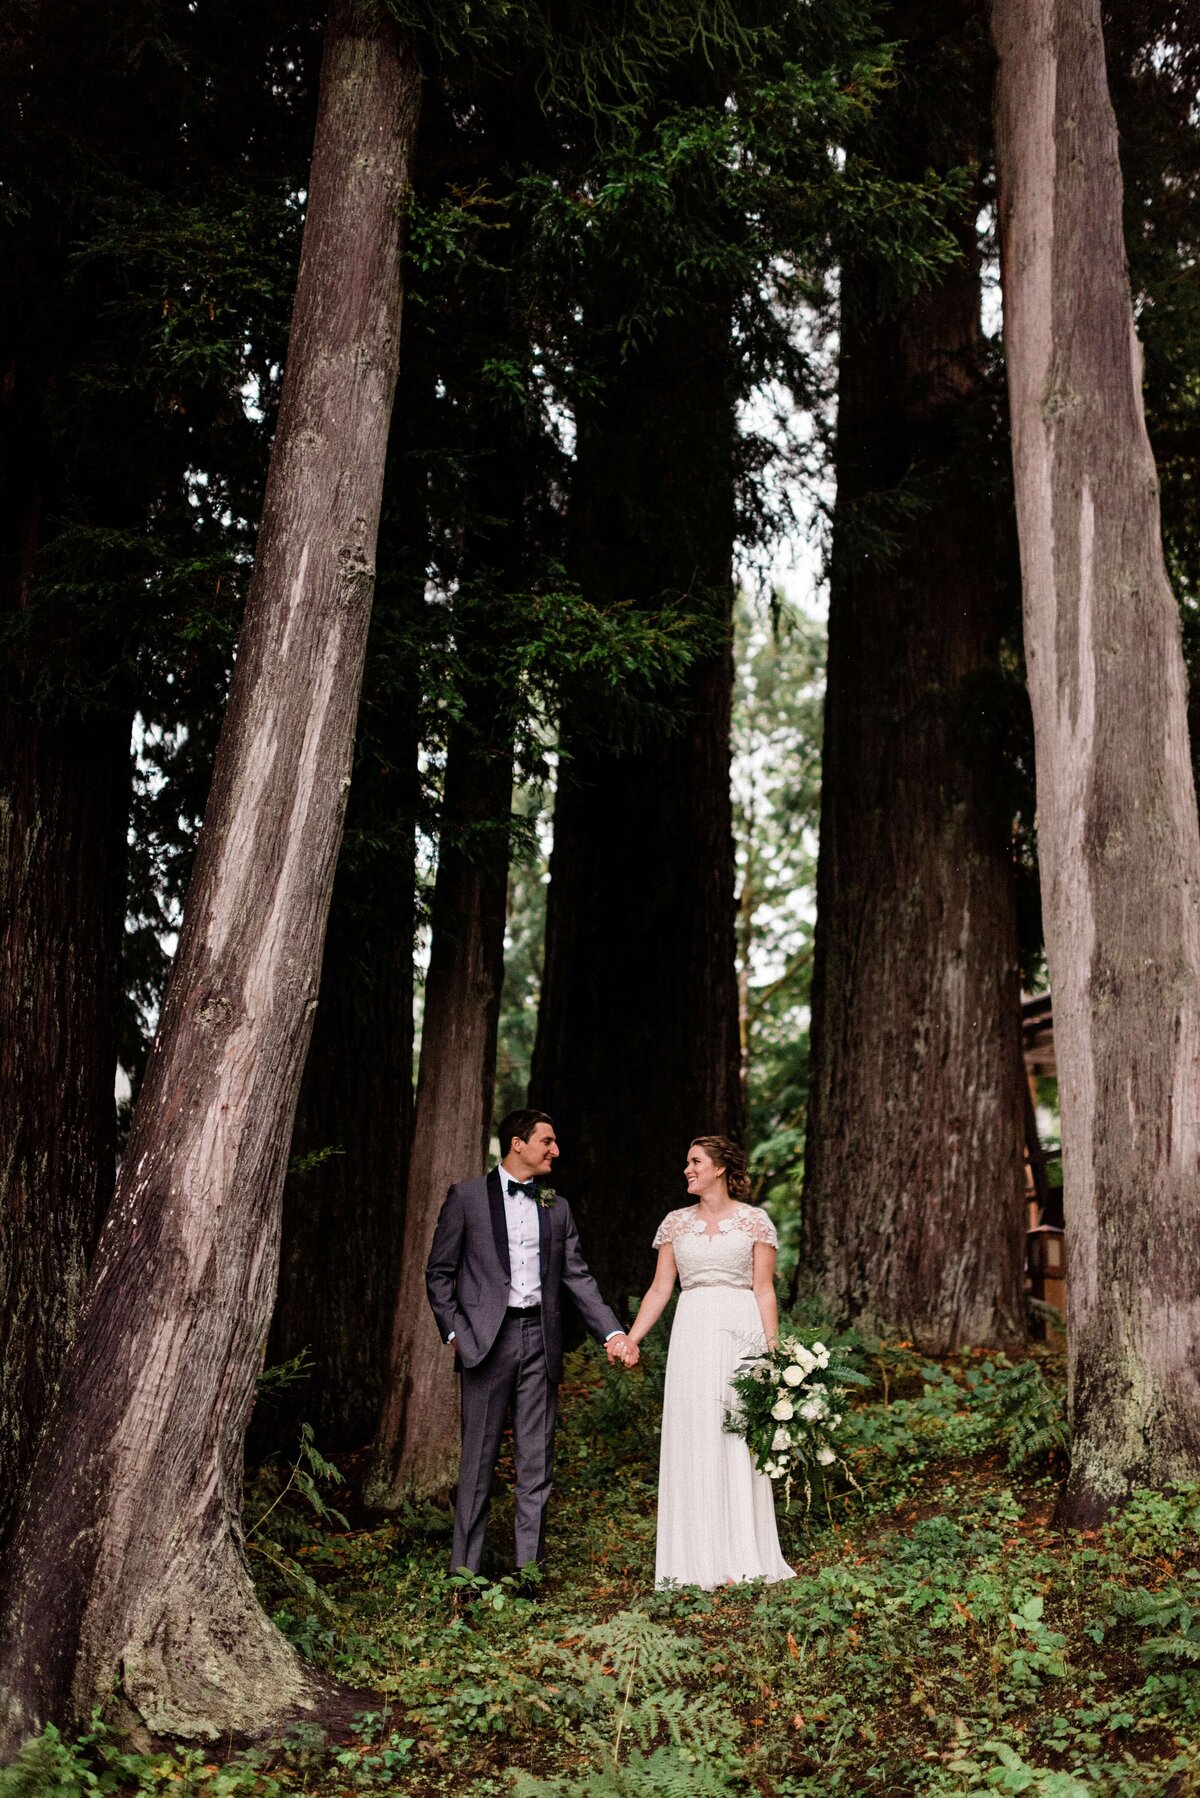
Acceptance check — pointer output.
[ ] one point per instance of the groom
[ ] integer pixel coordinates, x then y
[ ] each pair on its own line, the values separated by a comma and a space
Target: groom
504, 1249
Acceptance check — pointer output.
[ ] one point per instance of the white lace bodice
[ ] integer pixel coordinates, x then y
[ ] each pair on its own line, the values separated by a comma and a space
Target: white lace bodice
726, 1259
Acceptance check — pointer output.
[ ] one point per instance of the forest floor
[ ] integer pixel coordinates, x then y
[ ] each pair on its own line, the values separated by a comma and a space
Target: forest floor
941, 1636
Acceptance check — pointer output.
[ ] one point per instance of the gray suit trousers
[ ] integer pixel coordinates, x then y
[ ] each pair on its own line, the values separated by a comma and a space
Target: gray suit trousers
512, 1377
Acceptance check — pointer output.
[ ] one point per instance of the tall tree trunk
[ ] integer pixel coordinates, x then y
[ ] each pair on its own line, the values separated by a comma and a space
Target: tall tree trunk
64, 808
64, 804
417, 1438
914, 1183
1119, 847
637, 1046
127, 1568
343, 1203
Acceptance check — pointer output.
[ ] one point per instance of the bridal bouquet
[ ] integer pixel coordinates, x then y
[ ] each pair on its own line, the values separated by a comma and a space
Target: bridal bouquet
789, 1406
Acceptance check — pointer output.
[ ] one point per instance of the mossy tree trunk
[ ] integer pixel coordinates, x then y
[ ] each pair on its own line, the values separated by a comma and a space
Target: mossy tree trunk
1118, 842
127, 1570
913, 1175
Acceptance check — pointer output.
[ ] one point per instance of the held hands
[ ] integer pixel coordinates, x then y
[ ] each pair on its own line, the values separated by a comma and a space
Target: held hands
619, 1348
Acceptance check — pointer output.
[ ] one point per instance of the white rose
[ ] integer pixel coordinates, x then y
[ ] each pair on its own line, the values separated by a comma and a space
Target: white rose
812, 1410
793, 1376
819, 1349
780, 1440
826, 1457
783, 1410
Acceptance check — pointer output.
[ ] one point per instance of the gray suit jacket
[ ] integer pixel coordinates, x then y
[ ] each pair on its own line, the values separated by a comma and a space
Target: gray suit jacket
467, 1274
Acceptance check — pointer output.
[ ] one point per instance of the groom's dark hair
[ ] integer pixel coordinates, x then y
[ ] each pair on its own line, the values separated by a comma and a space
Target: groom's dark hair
522, 1124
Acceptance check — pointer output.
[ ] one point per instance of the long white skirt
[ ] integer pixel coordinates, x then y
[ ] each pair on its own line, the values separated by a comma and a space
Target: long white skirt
716, 1512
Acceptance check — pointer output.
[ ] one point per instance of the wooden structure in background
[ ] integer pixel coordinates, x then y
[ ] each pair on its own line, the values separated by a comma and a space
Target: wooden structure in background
1045, 1254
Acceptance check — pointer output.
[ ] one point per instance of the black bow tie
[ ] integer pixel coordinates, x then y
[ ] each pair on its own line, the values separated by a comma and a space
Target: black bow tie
514, 1187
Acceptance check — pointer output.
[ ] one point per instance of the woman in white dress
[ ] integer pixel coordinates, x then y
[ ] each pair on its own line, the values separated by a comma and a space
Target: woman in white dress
716, 1512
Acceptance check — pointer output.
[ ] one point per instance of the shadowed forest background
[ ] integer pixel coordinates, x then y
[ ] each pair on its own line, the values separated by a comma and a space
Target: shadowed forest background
650, 384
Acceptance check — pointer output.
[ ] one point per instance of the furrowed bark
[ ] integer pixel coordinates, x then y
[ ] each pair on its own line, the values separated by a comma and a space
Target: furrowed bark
637, 1044
64, 804
343, 1218
416, 1442
128, 1569
1119, 846
913, 1167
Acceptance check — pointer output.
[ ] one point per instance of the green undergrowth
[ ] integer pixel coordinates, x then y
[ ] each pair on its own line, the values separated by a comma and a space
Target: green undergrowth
941, 1637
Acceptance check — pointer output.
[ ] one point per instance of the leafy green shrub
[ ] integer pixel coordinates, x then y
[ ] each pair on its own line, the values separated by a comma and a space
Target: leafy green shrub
1159, 1523
625, 1411
95, 1763
47, 1765
1009, 1772
1036, 1652
890, 1446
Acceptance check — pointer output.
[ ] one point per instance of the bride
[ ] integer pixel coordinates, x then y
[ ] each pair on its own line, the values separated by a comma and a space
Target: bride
716, 1512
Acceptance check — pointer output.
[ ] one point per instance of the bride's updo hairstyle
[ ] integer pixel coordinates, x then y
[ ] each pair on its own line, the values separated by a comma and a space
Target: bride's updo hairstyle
726, 1154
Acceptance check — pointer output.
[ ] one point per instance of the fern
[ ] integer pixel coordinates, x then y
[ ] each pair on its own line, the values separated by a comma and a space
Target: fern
698, 1723
1174, 1617
1171, 1648
631, 1638
665, 1773
273, 1382
1029, 1414
305, 1476
47, 1764
626, 1682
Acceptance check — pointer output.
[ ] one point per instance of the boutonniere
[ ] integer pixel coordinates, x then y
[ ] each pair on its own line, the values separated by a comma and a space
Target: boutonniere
547, 1198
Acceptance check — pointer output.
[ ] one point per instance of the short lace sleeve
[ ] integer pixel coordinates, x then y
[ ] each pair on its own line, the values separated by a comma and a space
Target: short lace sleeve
672, 1226
758, 1226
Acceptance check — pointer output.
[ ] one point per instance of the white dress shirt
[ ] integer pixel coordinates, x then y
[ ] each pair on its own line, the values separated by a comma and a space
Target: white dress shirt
524, 1246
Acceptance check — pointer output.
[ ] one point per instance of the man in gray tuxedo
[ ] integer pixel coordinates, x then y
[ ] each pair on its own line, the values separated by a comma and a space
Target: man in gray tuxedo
504, 1249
